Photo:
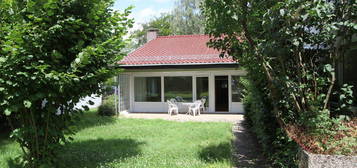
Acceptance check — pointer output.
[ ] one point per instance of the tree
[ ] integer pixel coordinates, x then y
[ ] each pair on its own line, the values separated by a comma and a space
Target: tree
290, 49
53, 53
162, 23
187, 17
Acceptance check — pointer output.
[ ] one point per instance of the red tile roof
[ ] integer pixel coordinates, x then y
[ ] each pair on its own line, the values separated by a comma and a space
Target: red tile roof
178, 49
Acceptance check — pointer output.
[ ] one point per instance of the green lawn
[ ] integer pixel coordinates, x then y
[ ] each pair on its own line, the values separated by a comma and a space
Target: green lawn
137, 143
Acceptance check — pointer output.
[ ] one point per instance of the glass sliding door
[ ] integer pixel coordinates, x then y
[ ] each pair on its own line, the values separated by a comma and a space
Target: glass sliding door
178, 87
202, 88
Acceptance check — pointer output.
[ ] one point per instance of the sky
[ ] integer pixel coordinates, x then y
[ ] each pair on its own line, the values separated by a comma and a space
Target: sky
144, 10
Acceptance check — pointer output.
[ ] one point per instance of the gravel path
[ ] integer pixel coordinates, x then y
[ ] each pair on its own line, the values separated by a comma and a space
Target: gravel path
246, 153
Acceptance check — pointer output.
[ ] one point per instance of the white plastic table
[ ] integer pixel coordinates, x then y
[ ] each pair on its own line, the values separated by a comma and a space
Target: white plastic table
188, 104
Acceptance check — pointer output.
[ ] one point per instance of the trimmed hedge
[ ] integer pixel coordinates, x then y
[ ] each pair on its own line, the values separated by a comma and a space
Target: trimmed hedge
281, 150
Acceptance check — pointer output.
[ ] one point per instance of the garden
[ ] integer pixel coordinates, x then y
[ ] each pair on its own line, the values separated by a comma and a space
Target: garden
299, 93
295, 52
120, 142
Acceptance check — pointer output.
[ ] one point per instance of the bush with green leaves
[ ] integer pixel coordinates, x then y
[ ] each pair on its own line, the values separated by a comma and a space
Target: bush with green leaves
3, 122
52, 54
277, 146
107, 108
290, 49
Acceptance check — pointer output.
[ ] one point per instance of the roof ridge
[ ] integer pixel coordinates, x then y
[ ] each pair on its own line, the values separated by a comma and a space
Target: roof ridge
188, 35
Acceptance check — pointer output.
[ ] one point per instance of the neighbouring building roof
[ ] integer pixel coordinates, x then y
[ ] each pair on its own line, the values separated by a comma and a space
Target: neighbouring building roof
175, 50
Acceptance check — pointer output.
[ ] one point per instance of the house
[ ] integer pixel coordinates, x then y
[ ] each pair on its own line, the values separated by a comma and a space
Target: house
181, 67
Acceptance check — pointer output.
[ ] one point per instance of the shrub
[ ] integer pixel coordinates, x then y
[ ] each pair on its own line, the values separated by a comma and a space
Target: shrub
276, 145
52, 54
107, 108
3, 122
291, 58
5, 126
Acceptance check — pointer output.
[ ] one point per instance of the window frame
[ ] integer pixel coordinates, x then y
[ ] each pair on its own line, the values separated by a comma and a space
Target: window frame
160, 89
232, 89
175, 76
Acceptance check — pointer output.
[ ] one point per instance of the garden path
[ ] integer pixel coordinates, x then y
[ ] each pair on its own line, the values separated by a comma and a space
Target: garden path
247, 153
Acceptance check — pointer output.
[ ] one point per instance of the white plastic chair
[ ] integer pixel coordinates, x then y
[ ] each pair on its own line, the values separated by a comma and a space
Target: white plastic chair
202, 107
172, 107
173, 100
195, 108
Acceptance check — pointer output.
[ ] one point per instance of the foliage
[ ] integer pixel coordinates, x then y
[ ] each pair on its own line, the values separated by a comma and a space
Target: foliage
3, 122
53, 53
187, 17
107, 108
162, 23
125, 143
108, 87
290, 49
277, 146
343, 142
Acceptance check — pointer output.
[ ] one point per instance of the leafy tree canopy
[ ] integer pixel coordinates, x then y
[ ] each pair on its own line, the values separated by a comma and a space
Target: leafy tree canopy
290, 49
185, 18
162, 23
53, 53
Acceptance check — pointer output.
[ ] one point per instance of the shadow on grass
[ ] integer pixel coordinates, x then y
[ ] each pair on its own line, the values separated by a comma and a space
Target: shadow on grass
217, 153
91, 119
86, 120
94, 153
13, 164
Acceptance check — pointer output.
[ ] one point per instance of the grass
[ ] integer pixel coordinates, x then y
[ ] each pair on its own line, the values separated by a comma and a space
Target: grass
131, 143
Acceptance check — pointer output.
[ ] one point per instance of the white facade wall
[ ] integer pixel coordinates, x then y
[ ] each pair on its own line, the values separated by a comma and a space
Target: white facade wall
126, 81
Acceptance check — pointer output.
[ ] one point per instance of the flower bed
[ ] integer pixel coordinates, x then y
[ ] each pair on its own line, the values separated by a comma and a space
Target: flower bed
343, 142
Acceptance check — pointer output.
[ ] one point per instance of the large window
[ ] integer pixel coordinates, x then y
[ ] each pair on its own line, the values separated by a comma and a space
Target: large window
179, 87
202, 88
236, 89
147, 89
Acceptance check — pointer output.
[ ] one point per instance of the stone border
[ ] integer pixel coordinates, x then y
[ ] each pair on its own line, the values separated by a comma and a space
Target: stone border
310, 160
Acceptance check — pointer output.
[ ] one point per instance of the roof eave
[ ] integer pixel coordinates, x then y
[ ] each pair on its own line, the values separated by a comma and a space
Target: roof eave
185, 65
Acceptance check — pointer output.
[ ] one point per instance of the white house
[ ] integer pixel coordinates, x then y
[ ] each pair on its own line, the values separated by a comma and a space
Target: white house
179, 66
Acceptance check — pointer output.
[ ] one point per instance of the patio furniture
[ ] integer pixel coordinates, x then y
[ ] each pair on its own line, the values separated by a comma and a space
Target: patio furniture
186, 104
202, 107
172, 107
179, 99
195, 108
173, 100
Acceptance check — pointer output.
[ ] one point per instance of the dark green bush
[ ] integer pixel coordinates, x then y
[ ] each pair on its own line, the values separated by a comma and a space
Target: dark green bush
3, 122
280, 149
107, 108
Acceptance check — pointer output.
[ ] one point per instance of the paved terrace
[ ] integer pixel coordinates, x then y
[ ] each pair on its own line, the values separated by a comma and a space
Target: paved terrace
231, 118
